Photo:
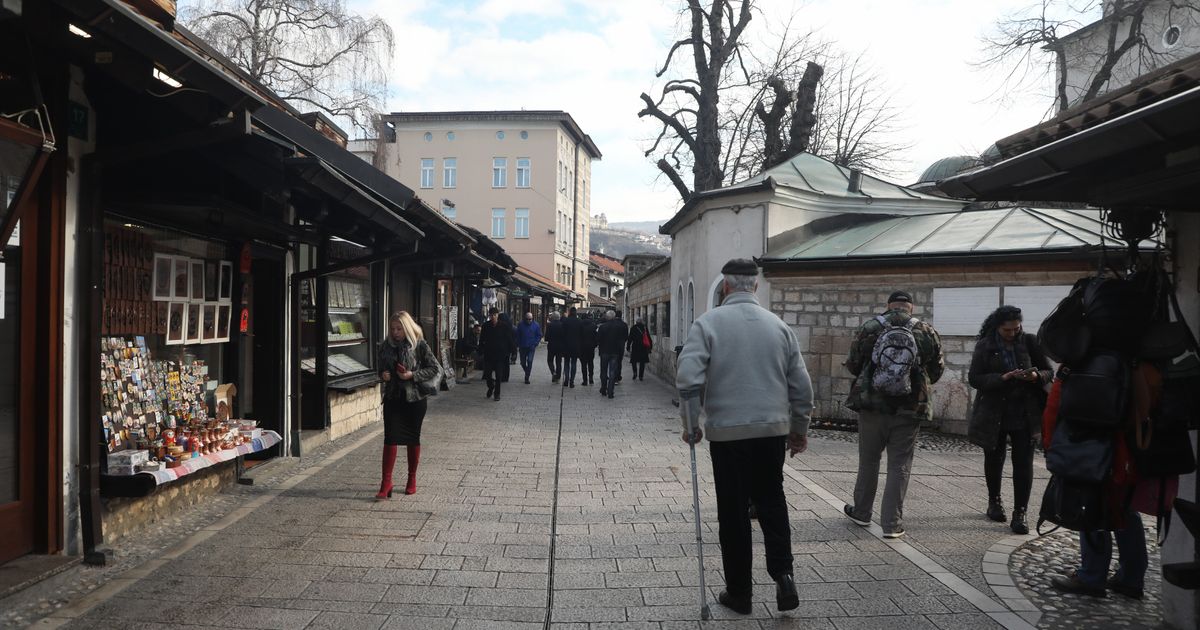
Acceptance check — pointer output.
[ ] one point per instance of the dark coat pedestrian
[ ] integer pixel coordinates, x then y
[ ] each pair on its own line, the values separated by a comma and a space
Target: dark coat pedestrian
572, 332
1008, 371
498, 342
612, 336
639, 352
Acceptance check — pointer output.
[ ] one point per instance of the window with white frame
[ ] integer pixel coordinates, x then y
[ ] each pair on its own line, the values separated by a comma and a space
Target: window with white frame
559, 175
521, 223
497, 222
426, 172
603, 290
499, 172
449, 212
524, 170
449, 172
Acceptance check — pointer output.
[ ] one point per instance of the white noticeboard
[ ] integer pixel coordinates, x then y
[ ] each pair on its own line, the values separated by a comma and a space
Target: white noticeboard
1035, 303
960, 311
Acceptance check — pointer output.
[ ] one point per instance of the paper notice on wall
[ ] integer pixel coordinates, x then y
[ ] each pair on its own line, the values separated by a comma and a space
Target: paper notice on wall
960, 311
1035, 303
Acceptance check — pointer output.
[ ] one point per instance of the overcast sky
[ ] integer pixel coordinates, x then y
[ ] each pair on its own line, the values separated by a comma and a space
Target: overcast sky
593, 58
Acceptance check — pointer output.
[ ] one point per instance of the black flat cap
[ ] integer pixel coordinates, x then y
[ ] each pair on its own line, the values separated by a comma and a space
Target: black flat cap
740, 267
900, 296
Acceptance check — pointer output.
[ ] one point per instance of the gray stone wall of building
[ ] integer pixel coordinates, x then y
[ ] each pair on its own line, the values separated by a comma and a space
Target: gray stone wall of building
825, 311
650, 297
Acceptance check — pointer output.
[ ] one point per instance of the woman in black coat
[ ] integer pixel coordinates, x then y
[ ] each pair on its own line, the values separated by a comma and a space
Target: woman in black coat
639, 352
1009, 372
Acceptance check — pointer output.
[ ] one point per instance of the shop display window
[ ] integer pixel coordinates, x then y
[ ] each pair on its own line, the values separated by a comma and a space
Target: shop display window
167, 304
347, 327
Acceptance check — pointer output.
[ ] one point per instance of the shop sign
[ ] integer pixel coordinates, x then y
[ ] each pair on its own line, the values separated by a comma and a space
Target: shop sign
514, 292
77, 121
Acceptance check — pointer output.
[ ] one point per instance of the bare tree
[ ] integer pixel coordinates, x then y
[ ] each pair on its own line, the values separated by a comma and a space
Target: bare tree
856, 120
744, 105
1031, 43
313, 53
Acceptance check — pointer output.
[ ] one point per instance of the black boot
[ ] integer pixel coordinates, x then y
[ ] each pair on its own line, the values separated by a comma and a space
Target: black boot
786, 596
1018, 524
995, 510
742, 605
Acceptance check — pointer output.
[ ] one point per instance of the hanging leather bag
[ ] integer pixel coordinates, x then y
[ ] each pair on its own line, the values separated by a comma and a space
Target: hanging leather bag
1094, 393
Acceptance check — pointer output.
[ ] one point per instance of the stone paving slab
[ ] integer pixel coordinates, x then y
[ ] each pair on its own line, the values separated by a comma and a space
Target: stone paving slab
472, 549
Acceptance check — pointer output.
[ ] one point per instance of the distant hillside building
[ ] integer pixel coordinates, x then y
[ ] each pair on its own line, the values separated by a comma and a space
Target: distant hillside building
599, 221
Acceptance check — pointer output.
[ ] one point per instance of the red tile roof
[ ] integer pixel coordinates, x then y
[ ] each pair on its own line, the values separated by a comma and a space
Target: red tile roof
607, 262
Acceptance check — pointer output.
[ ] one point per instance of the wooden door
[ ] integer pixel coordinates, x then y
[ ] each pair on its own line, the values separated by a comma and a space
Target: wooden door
17, 432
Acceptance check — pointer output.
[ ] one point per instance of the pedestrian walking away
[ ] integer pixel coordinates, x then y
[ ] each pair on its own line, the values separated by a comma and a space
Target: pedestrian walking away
639, 345
497, 343
1009, 372
529, 335
611, 344
895, 359
572, 332
553, 343
404, 360
588, 340
621, 353
757, 402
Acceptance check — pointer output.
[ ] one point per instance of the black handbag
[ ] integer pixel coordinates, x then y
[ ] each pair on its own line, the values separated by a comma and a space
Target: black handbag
1095, 393
1063, 334
432, 386
1077, 506
1079, 454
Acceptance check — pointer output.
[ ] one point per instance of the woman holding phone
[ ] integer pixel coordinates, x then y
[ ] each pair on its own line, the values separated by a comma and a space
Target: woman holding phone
404, 360
1009, 372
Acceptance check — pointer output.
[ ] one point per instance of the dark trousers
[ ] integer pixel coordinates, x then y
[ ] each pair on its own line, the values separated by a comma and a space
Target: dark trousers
587, 367
527, 359
493, 372
748, 471
1022, 459
554, 362
1096, 553
609, 364
568, 368
639, 370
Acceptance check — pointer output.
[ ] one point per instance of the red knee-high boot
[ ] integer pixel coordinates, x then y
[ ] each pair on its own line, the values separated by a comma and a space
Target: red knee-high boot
414, 456
389, 463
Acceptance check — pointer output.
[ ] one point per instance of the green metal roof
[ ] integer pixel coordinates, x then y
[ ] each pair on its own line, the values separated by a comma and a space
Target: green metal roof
983, 231
815, 174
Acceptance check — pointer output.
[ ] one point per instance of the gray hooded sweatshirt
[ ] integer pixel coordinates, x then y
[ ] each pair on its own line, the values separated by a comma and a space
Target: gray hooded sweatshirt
748, 363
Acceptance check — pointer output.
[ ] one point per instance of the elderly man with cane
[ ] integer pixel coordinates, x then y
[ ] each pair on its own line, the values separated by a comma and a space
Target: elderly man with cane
757, 400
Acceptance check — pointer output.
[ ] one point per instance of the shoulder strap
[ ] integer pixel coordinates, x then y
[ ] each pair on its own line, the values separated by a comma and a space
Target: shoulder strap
912, 321
882, 321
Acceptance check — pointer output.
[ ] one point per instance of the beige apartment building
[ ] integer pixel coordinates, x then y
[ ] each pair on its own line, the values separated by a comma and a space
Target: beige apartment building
524, 178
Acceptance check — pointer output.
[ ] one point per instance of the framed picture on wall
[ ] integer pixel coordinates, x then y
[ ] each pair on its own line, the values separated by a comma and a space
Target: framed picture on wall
225, 294
210, 280
224, 312
208, 326
176, 322
192, 323
164, 266
197, 277
181, 285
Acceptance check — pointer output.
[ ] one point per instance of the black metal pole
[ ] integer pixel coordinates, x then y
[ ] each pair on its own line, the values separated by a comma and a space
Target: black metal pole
89, 259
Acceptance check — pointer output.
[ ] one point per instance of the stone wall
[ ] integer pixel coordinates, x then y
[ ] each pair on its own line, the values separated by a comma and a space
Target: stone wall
650, 297
352, 411
826, 307
125, 516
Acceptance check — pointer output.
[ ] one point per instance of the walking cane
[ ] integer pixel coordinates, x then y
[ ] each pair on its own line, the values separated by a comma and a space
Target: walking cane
690, 407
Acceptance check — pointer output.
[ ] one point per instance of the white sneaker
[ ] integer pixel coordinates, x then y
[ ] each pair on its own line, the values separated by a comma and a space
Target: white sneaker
896, 533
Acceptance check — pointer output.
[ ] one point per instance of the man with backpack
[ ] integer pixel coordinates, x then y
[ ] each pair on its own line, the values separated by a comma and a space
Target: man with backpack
895, 358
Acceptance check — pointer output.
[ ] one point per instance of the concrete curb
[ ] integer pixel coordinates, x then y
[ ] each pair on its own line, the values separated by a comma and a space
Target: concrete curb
998, 577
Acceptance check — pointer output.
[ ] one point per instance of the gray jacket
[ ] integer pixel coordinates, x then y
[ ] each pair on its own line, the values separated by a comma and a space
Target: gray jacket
748, 363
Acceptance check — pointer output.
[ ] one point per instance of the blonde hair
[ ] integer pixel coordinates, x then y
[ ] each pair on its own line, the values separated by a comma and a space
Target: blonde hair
412, 330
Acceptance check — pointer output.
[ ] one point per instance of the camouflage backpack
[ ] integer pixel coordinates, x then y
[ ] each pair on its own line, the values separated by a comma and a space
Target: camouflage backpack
894, 356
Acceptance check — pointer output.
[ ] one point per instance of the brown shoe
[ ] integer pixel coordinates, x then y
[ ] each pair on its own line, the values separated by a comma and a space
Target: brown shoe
1075, 586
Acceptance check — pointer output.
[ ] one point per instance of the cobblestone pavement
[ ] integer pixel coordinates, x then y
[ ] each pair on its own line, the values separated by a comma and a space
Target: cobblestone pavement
1034, 564
476, 546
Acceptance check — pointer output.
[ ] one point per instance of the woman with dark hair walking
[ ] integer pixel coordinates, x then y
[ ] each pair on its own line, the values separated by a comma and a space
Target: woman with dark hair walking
1008, 371
404, 361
